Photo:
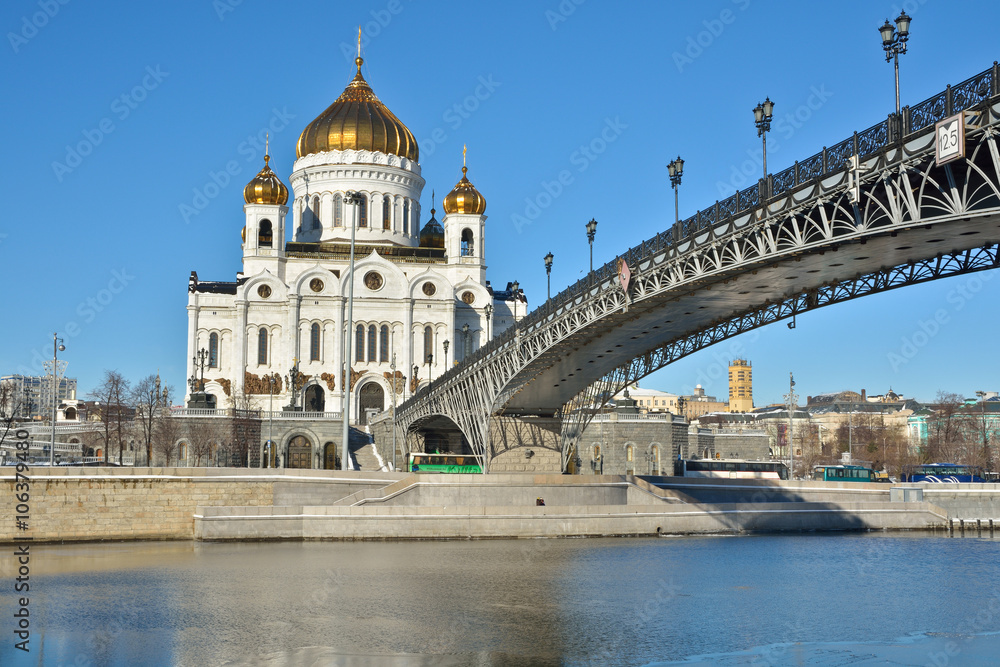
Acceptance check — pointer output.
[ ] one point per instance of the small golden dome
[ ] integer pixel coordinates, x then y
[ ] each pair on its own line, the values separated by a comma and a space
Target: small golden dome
432, 235
265, 188
464, 198
357, 120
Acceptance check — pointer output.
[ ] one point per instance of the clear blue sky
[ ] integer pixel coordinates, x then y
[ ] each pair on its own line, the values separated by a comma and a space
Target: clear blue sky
98, 248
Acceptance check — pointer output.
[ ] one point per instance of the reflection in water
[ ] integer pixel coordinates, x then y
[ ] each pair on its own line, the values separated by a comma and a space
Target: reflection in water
503, 602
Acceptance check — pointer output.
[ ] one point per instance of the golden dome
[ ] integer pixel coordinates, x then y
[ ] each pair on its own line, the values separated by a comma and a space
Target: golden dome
357, 120
265, 188
464, 198
432, 235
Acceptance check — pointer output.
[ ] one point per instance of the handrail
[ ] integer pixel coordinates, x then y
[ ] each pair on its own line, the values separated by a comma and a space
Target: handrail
965, 95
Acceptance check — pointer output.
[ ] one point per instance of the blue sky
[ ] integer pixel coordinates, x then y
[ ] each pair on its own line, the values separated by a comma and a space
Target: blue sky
121, 118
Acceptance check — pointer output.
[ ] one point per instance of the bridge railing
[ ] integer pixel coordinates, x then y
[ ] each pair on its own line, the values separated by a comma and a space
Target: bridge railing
965, 95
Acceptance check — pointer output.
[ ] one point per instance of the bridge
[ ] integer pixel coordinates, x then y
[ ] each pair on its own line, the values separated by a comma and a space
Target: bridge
872, 213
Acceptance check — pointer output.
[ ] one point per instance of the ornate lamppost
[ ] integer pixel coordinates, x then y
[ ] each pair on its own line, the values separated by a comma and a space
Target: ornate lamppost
515, 288
57, 347
894, 43
489, 321
465, 341
548, 277
591, 232
357, 199
676, 169
762, 114
392, 391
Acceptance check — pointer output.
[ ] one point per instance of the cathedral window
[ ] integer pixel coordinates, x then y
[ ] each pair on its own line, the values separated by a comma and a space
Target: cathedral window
386, 213
338, 211
383, 346
359, 343
262, 346
264, 235
468, 249
213, 351
371, 342
428, 343
363, 212
315, 214
314, 342
406, 217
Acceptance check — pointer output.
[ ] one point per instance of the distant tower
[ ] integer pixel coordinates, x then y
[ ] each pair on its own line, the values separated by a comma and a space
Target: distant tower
740, 386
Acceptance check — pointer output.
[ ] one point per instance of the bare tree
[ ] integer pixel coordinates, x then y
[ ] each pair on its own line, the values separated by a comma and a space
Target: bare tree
11, 403
945, 437
112, 397
166, 434
244, 435
152, 402
203, 434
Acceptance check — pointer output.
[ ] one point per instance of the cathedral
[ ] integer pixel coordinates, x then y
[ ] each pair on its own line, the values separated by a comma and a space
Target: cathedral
299, 329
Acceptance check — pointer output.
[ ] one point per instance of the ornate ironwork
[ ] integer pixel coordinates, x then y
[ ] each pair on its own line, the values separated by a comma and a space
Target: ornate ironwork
897, 189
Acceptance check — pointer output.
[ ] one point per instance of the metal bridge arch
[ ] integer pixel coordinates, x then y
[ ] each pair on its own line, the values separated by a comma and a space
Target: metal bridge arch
876, 203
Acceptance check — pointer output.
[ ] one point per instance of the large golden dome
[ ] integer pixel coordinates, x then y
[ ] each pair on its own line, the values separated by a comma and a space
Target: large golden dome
266, 187
358, 120
464, 198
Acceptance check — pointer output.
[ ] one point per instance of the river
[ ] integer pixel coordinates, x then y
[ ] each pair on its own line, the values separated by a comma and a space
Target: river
817, 599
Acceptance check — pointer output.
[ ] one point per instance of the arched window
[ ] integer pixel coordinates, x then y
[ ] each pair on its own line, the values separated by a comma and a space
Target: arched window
213, 351
386, 213
383, 343
654, 456
363, 212
316, 221
467, 244
314, 342
595, 462
182, 452
264, 235
629, 460
338, 211
359, 343
428, 343
406, 217
371, 342
262, 346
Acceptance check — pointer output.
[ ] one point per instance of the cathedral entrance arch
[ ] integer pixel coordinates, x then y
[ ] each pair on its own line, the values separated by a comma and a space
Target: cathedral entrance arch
315, 399
299, 453
371, 400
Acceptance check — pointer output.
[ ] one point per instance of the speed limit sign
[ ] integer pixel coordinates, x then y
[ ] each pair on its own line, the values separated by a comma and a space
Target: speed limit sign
949, 139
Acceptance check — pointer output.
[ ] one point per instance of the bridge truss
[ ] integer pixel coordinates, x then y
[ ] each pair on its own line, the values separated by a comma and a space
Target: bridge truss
874, 213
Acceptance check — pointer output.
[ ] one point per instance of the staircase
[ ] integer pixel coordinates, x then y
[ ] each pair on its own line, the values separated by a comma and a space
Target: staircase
362, 451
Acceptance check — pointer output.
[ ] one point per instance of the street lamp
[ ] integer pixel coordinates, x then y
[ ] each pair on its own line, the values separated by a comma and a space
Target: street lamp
894, 43
676, 169
489, 321
392, 391
57, 347
357, 199
548, 276
430, 379
514, 289
270, 422
465, 341
446, 344
591, 231
416, 379
762, 114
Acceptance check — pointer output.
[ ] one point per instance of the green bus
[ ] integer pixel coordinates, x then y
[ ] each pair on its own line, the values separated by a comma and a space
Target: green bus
843, 474
446, 463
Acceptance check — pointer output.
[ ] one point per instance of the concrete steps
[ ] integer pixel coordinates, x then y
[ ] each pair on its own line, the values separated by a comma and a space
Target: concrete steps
362, 451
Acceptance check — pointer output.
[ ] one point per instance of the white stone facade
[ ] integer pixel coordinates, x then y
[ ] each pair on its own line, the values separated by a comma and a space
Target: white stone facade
290, 301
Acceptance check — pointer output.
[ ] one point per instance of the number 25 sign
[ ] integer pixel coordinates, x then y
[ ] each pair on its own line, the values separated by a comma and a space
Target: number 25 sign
950, 139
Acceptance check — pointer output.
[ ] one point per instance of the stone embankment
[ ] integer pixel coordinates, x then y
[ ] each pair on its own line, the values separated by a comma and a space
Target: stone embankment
95, 504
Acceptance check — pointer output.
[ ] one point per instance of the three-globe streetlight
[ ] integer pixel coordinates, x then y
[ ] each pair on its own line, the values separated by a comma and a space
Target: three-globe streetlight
894, 43
762, 114
676, 169
548, 276
591, 231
